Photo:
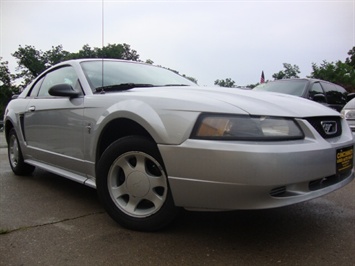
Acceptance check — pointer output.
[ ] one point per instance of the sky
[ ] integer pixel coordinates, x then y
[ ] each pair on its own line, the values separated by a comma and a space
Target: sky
207, 40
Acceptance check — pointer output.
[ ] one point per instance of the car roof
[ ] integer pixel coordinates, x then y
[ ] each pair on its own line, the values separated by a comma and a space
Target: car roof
298, 79
311, 80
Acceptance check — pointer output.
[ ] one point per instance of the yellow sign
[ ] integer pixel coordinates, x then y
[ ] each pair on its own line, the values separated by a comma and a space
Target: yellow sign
345, 159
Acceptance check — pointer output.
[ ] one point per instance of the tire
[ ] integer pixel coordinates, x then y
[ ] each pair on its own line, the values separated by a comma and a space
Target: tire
18, 166
132, 184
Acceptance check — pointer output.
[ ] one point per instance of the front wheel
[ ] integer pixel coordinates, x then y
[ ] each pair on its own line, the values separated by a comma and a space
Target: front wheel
133, 186
18, 166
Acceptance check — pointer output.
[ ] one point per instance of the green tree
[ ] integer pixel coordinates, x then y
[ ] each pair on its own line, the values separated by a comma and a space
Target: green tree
117, 51
190, 78
85, 52
252, 86
55, 56
6, 87
340, 73
30, 63
351, 59
289, 72
228, 82
129, 54
175, 71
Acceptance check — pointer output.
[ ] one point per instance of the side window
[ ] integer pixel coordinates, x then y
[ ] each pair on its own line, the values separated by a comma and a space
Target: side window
316, 89
59, 76
335, 94
35, 88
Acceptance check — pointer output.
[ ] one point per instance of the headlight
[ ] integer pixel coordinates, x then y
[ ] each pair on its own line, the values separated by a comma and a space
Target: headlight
234, 127
348, 114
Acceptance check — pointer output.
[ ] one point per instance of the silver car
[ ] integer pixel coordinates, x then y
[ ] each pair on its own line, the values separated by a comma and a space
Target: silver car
348, 113
152, 142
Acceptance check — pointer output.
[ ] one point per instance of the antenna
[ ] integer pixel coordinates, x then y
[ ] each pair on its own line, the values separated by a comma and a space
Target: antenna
102, 24
102, 42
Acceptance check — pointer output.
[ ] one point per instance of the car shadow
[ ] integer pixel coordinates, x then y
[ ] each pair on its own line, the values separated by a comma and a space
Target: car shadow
309, 221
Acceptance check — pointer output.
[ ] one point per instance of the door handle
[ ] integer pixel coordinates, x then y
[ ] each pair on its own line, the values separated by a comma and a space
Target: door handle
32, 109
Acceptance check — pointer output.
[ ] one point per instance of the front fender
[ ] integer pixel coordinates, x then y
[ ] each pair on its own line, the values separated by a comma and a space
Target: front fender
164, 125
12, 115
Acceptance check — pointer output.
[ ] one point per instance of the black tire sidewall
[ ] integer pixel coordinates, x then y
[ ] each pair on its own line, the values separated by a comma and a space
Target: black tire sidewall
154, 222
21, 168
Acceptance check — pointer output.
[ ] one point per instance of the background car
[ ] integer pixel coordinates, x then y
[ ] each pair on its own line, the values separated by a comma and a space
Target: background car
348, 113
152, 142
324, 92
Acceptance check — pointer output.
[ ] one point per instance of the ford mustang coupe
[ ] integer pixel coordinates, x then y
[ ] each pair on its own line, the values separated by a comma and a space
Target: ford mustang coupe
152, 142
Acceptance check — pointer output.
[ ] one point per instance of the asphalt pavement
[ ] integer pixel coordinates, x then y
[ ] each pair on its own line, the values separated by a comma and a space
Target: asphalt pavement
3, 143
49, 220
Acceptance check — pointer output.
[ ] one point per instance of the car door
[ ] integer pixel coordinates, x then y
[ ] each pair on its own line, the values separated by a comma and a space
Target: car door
53, 126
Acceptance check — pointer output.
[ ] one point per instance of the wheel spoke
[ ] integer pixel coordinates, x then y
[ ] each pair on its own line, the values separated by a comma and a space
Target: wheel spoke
14, 152
157, 181
126, 166
140, 166
118, 192
132, 204
155, 199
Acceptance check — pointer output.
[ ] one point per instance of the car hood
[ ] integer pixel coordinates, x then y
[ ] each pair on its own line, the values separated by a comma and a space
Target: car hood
229, 100
350, 104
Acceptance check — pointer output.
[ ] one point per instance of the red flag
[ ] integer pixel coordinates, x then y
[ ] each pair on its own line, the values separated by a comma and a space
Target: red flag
262, 79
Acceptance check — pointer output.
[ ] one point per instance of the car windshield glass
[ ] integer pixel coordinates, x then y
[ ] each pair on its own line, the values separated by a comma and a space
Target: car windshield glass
292, 87
118, 75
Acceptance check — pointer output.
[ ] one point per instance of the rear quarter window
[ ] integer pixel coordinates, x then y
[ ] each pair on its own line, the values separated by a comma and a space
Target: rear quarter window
335, 93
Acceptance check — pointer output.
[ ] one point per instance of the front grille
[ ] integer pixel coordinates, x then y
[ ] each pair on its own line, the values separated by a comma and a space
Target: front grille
278, 192
326, 126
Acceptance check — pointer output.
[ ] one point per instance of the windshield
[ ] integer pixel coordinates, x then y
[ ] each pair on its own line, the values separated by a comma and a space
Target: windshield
292, 87
111, 74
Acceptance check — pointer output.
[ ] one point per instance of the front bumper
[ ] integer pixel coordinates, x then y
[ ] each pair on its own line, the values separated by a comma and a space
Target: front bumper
225, 175
352, 125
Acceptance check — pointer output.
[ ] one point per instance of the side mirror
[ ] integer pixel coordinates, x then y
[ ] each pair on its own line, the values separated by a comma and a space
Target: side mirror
319, 98
63, 90
350, 96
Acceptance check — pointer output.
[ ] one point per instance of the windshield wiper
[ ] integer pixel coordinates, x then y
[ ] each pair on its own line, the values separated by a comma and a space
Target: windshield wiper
122, 87
172, 85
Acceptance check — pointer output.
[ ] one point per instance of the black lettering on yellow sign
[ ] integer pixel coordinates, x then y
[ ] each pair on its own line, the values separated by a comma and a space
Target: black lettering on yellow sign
344, 159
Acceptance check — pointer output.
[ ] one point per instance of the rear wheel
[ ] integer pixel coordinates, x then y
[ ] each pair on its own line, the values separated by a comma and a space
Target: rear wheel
132, 184
18, 166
